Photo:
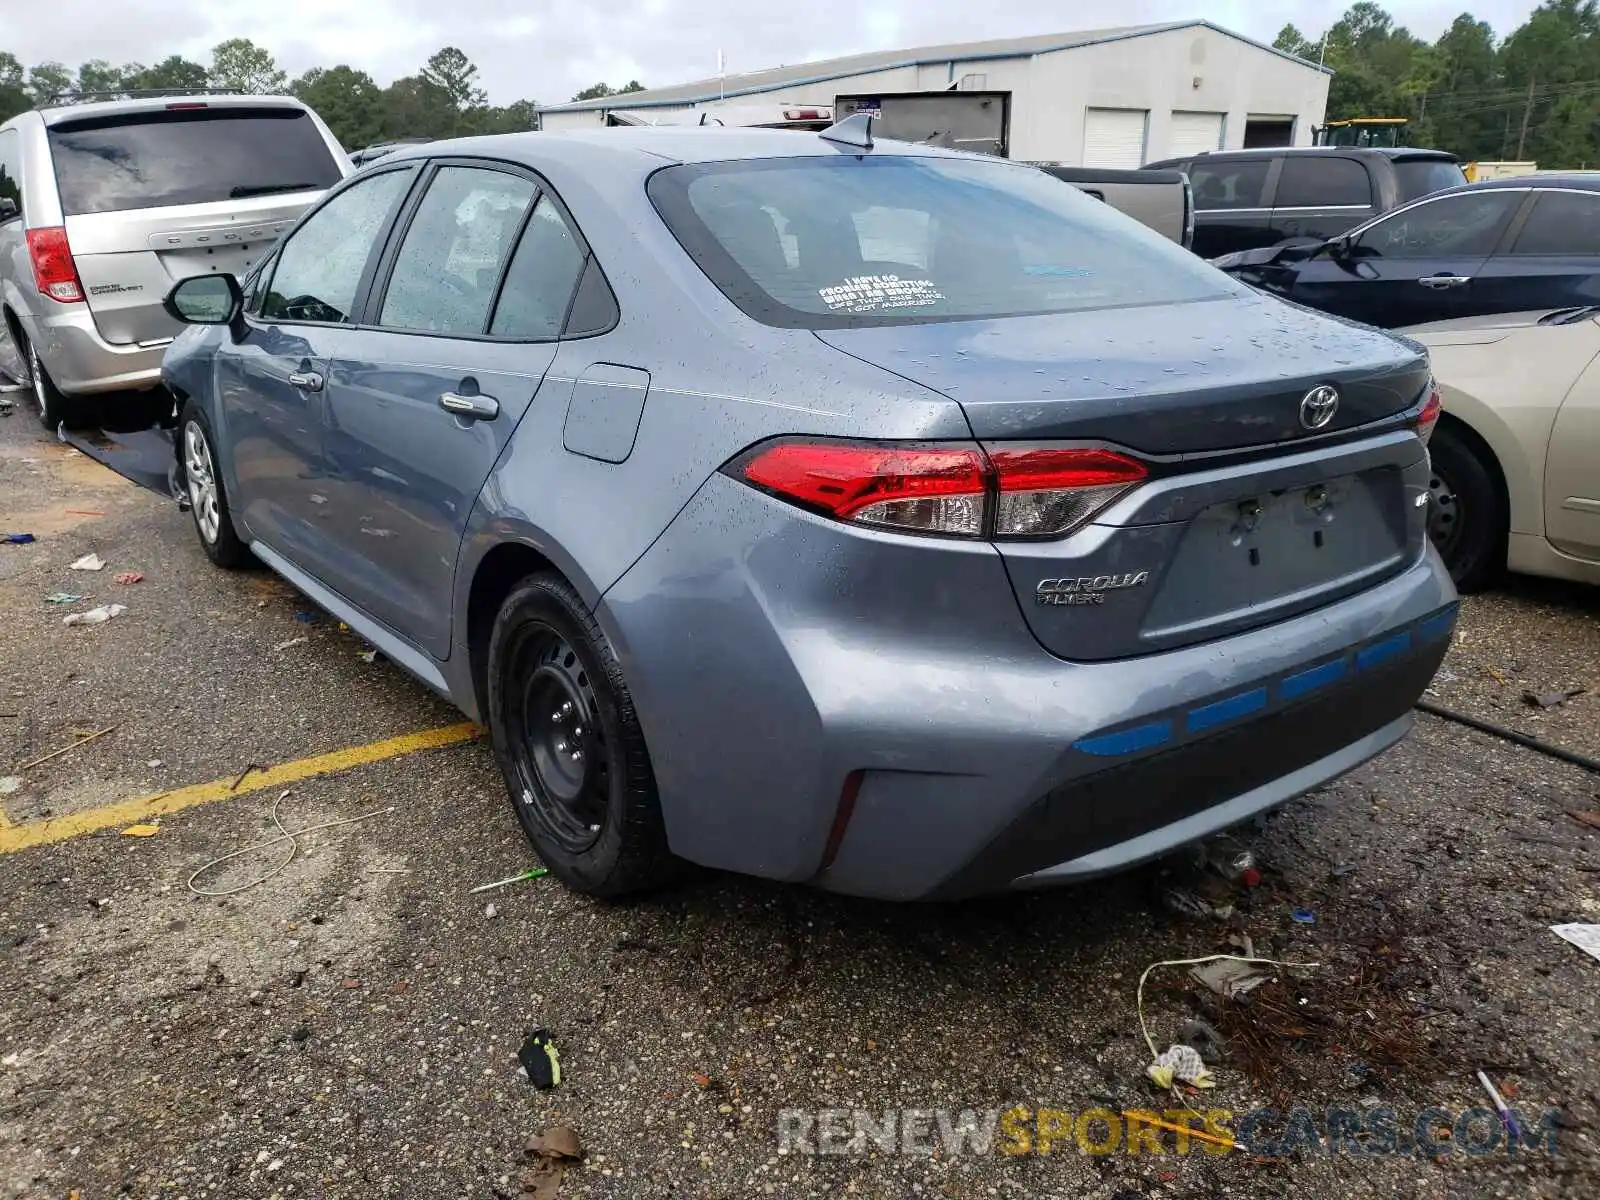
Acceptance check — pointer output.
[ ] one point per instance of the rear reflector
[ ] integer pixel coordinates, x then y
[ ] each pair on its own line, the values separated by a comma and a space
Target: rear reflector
53, 268
954, 491
1431, 408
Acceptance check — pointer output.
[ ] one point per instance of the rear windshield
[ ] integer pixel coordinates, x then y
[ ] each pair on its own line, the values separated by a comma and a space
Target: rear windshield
188, 156
850, 241
1418, 177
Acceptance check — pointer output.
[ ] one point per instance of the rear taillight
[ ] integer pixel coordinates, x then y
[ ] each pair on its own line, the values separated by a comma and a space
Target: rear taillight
1429, 416
53, 268
954, 491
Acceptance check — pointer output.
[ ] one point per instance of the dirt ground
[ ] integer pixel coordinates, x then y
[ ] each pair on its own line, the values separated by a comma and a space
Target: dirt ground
350, 1026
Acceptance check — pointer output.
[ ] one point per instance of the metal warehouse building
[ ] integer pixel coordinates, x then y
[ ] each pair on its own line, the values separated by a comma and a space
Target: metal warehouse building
1099, 98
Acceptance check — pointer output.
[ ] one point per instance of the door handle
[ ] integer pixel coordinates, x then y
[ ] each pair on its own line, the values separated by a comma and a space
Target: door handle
1444, 281
473, 408
306, 381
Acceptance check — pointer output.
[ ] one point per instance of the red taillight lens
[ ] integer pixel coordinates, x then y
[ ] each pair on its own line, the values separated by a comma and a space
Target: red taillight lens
53, 268
920, 489
1431, 408
1047, 493
958, 491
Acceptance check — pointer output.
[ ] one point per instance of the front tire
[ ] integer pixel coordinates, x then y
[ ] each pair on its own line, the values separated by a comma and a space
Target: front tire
1467, 514
208, 500
569, 743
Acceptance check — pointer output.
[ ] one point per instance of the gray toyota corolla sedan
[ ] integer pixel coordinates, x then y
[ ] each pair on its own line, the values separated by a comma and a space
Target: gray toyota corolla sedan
899, 521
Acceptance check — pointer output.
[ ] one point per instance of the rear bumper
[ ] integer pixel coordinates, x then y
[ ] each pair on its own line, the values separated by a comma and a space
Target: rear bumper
81, 362
781, 663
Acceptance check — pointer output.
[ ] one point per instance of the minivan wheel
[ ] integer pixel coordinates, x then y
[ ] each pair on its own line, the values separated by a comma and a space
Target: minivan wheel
569, 743
53, 407
208, 500
1467, 518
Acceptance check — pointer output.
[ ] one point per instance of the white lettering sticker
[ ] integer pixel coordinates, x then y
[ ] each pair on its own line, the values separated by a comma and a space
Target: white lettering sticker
876, 293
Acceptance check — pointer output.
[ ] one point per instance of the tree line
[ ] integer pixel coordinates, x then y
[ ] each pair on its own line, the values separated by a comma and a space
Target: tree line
1534, 95
443, 99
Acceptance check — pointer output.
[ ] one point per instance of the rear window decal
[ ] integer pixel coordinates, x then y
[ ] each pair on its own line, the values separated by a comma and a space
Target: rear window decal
878, 293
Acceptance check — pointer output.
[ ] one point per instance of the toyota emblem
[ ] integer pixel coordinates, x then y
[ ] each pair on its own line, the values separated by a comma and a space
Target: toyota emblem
1318, 406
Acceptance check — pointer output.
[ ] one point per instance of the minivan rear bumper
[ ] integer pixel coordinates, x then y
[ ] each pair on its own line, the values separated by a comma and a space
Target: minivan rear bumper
81, 362
870, 713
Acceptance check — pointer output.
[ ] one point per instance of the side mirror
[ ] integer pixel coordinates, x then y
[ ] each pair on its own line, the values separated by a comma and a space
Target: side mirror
1338, 247
214, 299
8, 209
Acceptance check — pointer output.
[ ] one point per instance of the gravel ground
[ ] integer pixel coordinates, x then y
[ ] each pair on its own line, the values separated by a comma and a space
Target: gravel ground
350, 1027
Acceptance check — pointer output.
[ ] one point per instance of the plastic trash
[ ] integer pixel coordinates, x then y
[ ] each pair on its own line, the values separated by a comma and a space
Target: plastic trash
20, 539
1231, 859
62, 598
1229, 977
1303, 916
1181, 1063
128, 577
96, 616
1584, 937
89, 562
540, 1059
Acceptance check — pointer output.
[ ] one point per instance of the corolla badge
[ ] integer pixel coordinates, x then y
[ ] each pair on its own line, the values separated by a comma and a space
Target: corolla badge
1318, 406
1088, 589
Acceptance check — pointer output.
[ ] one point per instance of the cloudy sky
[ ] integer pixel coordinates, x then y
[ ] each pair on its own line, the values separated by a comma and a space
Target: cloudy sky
541, 50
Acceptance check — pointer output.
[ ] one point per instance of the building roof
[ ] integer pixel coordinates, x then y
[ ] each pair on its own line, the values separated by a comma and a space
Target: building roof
756, 82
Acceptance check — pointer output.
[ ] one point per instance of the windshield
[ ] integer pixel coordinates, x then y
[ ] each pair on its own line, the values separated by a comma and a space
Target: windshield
858, 241
187, 156
1418, 177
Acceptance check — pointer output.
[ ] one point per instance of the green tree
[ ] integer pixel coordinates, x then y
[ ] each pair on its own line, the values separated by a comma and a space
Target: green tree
516, 117
13, 93
415, 107
599, 91
172, 72
1550, 63
48, 80
1291, 41
98, 75
241, 65
453, 73
347, 99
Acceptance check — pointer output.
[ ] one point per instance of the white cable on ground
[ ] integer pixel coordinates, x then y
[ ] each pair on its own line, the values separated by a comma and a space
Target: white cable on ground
1195, 962
284, 835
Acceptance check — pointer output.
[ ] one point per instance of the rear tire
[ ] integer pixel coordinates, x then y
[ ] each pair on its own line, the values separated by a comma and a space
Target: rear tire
53, 407
208, 499
1467, 515
569, 743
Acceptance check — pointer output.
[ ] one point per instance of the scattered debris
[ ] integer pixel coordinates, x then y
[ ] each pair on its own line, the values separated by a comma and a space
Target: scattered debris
154, 762
1230, 977
1192, 904
1550, 699
1584, 937
1445, 676
1506, 1117
490, 912
1341, 870
1495, 674
20, 539
291, 642
82, 738
126, 577
530, 873
304, 617
9, 784
540, 1059
1591, 819
1204, 1038
368, 656
292, 836
234, 786
62, 598
1180, 1063
89, 562
95, 616
142, 831
1231, 859
552, 1151
85, 512
1303, 916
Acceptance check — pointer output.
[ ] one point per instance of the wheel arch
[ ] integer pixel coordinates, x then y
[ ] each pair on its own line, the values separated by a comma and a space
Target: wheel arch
1480, 447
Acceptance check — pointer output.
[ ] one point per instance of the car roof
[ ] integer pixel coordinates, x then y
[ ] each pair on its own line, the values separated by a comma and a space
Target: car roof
1358, 151
669, 143
1585, 181
55, 115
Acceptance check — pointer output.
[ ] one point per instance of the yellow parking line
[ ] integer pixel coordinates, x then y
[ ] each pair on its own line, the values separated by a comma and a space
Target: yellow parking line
142, 808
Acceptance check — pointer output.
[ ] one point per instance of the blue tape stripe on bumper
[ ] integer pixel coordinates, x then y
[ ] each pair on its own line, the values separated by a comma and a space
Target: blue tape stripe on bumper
1127, 741
1222, 711
1439, 625
1383, 651
1298, 685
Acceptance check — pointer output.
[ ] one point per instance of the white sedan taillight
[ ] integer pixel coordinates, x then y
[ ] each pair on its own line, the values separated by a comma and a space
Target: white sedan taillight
954, 491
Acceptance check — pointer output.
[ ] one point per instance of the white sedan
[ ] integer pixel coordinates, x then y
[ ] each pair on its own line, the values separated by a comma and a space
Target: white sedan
1516, 456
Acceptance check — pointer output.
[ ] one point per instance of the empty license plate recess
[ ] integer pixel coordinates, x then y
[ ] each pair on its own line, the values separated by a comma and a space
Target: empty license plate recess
1268, 555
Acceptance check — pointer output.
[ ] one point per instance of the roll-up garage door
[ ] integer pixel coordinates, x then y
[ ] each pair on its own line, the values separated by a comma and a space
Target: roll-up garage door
1114, 137
1194, 133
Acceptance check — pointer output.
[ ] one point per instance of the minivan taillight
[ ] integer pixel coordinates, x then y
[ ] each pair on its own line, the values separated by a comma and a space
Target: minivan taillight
954, 491
53, 268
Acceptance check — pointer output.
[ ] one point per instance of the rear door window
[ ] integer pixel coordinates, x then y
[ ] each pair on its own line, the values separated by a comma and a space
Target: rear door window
1418, 177
542, 278
188, 156
320, 267
450, 262
1470, 224
1318, 181
837, 242
1561, 223
1229, 183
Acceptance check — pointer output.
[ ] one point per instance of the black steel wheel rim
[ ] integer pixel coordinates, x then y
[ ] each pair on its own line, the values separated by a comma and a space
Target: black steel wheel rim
1446, 518
556, 740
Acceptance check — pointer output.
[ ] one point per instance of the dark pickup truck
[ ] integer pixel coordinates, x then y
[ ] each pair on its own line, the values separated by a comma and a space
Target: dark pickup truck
1244, 199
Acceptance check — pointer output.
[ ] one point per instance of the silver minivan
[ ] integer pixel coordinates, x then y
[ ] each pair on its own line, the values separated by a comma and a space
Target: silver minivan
104, 206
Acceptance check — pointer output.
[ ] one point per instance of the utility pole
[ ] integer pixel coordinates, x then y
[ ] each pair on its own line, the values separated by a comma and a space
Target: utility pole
1527, 114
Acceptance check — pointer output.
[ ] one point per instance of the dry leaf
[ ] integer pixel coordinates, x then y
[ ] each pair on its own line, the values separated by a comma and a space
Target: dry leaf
141, 830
